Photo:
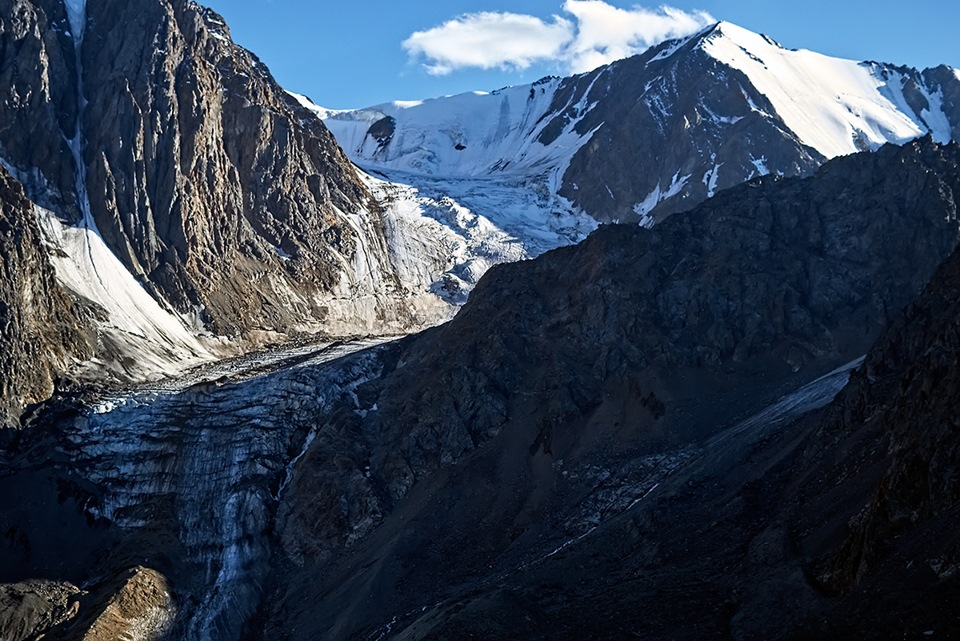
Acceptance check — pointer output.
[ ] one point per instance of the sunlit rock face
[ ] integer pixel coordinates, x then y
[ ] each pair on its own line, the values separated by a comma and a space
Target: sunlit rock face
225, 198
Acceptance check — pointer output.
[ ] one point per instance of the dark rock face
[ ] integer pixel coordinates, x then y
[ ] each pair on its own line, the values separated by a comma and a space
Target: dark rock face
41, 329
214, 187
945, 80
38, 114
659, 124
574, 390
663, 116
889, 446
771, 278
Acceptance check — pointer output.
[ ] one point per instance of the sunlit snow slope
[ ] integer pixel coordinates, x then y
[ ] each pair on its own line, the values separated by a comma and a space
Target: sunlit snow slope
466, 178
836, 106
140, 339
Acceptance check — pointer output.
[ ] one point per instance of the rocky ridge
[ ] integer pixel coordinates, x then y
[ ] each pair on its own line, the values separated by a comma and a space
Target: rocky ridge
571, 388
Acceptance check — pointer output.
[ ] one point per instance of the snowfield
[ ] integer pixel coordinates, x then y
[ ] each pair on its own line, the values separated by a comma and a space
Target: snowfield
146, 340
466, 180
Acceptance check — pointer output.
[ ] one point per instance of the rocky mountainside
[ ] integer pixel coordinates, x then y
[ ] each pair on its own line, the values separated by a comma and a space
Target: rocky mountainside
654, 134
721, 426
576, 387
187, 203
888, 449
42, 329
145, 134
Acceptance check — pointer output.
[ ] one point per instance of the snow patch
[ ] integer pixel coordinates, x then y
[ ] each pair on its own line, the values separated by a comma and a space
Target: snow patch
935, 118
726, 120
761, 165
670, 48
710, 179
77, 15
151, 341
657, 196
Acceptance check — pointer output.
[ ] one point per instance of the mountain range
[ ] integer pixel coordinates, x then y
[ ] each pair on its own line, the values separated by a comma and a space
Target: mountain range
661, 350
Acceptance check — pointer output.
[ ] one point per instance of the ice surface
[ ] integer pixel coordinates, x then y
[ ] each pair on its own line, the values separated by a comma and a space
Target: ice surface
77, 15
469, 135
464, 181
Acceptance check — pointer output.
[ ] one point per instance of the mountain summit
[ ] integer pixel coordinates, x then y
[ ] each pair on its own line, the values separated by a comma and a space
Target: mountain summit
657, 133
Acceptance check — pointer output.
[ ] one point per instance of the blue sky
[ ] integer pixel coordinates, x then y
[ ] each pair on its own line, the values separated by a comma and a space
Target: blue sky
347, 53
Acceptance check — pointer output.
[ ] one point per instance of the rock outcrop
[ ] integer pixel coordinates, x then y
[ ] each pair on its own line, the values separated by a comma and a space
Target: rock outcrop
42, 330
29, 610
137, 605
881, 503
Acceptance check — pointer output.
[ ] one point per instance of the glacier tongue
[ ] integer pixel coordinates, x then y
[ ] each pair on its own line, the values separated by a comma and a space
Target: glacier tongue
196, 469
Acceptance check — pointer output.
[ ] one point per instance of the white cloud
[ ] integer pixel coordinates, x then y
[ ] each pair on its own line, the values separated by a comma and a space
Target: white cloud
598, 34
606, 33
489, 40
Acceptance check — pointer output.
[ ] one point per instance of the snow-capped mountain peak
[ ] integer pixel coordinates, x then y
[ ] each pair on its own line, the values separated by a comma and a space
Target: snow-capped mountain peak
834, 105
634, 141
655, 134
